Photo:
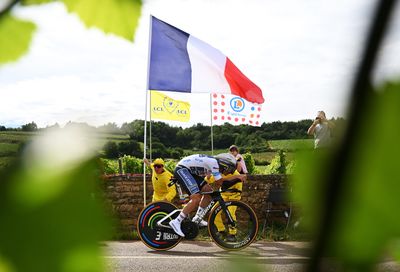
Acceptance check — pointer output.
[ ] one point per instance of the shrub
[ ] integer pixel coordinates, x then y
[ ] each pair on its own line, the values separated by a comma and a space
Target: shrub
250, 164
170, 165
109, 167
278, 164
132, 165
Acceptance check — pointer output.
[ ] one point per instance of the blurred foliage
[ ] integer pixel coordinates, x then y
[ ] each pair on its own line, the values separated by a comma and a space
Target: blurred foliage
366, 220
51, 219
119, 17
15, 37
240, 263
35, 2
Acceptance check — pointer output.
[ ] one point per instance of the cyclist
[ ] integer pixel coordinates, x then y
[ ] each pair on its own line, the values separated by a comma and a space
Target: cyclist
237, 184
191, 172
160, 179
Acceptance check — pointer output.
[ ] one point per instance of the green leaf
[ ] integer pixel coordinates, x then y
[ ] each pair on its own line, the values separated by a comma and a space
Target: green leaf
119, 17
368, 220
50, 213
35, 2
15, 38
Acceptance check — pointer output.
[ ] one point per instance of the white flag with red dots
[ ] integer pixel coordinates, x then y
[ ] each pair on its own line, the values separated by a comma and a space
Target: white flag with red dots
234, 110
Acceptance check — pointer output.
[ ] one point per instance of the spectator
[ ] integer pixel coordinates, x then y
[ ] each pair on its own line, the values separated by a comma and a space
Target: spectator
241, 165
321, 129
160, 179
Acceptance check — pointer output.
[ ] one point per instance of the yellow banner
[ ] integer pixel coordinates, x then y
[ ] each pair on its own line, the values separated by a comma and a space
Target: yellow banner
166, 108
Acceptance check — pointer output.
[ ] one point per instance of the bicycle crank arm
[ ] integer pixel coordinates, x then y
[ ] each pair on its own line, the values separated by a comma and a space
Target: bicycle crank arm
160, 223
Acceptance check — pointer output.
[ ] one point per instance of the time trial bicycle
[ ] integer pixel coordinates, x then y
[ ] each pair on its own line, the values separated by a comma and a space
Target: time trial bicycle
231, 216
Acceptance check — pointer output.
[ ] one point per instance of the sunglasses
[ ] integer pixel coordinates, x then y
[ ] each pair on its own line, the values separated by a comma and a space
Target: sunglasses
158, 166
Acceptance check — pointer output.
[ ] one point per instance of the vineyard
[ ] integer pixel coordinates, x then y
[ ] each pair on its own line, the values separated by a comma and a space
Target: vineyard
12, 144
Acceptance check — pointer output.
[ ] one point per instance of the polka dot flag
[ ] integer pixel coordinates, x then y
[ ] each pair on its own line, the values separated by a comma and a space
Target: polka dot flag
234, 110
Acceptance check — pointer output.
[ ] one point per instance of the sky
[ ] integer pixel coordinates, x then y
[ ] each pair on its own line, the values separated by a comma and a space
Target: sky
301, 53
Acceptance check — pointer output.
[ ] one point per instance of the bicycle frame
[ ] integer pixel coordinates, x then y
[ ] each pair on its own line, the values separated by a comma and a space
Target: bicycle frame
215, 198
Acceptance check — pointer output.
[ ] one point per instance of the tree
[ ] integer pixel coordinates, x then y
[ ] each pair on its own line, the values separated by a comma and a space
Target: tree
109, 128
159, 150
29, 127
111, 150
130, 148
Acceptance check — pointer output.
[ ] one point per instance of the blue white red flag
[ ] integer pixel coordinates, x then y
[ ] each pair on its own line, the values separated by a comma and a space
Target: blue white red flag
180, 62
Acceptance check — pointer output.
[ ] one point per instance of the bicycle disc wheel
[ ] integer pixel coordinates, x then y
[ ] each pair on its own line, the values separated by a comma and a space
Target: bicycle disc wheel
153, 236
237, 236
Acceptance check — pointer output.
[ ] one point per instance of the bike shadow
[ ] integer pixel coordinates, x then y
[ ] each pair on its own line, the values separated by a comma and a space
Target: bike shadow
260, 253
207, 249
281, 253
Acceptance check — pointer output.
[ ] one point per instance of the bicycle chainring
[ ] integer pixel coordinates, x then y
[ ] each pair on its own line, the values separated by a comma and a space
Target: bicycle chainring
190, 229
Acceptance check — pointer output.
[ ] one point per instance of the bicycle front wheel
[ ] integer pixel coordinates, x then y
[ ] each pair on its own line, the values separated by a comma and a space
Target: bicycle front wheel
234, 236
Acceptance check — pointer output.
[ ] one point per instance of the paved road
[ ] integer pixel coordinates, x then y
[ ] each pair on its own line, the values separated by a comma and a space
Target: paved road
205, 256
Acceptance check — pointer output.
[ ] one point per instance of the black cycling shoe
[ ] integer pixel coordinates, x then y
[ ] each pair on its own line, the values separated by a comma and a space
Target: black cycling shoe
231, 238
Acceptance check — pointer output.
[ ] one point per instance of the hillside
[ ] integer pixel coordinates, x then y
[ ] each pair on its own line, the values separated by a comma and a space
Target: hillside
12, 143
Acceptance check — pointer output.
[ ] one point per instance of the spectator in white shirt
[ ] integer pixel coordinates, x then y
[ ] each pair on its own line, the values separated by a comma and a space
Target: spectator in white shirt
241, 165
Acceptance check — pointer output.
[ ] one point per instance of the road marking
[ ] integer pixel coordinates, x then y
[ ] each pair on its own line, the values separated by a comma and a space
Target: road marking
208, 257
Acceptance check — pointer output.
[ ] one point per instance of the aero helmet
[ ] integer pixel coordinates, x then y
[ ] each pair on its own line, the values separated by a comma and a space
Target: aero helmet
226, 162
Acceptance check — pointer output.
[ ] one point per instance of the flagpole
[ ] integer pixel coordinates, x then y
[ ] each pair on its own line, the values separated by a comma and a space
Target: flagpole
145, 115
144, 151
212, 138
150, 145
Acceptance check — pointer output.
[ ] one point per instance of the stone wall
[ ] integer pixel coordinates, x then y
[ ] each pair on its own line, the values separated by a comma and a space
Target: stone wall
124, 195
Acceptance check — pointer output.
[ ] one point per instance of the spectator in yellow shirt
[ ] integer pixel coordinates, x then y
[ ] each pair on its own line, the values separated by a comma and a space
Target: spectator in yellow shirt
232, 209
160, 179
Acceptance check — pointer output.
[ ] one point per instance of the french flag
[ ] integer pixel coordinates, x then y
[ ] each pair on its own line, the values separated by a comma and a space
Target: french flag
180, 62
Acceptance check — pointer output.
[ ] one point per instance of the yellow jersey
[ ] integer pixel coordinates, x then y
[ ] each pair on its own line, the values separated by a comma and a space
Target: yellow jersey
160, 185
238, 186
